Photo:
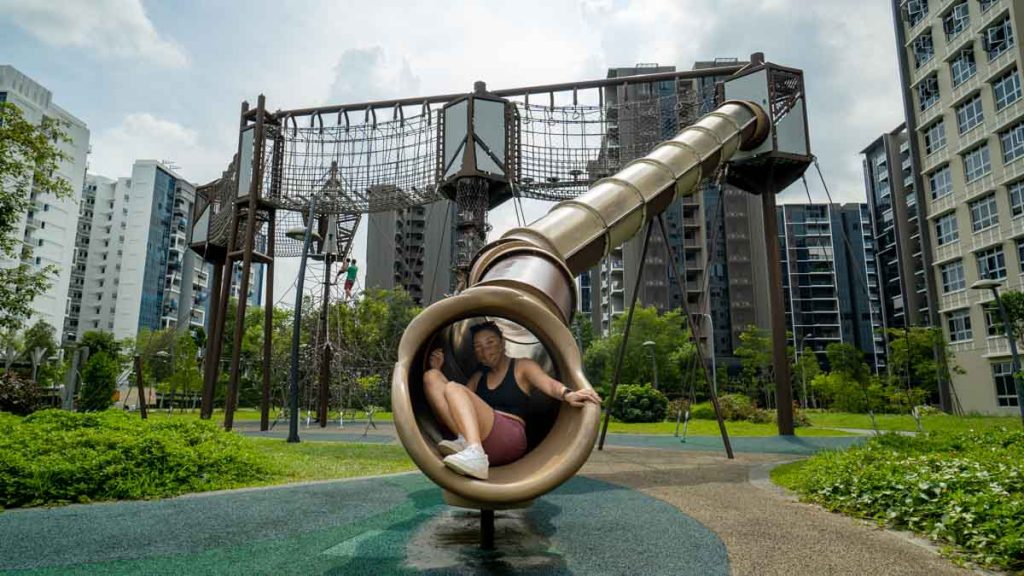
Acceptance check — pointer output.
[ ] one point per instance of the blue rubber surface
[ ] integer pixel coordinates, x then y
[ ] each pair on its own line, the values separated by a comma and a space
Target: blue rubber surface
345, 527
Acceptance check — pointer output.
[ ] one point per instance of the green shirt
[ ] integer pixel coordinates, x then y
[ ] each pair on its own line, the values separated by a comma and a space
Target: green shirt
351, 272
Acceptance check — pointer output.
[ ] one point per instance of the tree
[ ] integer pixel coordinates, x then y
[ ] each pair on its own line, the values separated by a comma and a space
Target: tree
672, 349
922, 357
40, 337
99, 380
1013, 301
848, 360
583, 329
29, 161
756, 361
805, 368
99, 341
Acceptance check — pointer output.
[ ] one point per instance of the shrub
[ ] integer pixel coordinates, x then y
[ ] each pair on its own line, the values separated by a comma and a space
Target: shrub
17, 395
53, 456
639, 403
964, 490
735, 407
99, 380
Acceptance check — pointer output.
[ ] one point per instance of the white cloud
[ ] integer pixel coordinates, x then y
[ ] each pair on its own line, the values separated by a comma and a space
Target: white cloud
111, 28
363, 74
144, 136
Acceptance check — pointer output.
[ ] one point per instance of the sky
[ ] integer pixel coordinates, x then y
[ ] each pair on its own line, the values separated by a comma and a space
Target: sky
165, 80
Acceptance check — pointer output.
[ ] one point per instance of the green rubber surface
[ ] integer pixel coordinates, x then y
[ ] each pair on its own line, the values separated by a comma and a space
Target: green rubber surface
347, 527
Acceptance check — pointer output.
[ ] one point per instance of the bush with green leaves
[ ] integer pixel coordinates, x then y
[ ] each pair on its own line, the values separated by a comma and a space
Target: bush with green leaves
18, 395
963, 490
99, 380
735, 407
53, 457
639, 403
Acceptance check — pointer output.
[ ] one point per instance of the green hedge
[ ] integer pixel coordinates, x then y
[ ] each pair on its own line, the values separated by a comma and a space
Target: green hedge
639, 403
964, 490
53, 457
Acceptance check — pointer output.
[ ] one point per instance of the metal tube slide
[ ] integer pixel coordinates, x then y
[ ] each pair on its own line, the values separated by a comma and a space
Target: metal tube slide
528, 277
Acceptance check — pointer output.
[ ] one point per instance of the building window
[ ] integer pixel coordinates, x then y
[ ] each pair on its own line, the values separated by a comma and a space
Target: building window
1017, 198
1006, 391
1006, 89
941, 182
959, 324
998, 38
976, 163
962, 67
952, 276
984, 5
928, 92
935, 137
924, 49
991, 263
993, 327
956, 20
984, 213
1013, 143
969, 114
915, 11
945, 229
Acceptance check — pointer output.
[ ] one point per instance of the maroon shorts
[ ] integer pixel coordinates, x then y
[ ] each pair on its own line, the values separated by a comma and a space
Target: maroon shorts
348, 284
507, 440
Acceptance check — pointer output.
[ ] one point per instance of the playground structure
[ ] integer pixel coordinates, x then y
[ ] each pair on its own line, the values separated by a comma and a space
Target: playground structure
317, 168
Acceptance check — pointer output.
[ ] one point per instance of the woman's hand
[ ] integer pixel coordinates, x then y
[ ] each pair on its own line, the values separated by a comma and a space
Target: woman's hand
578, 398
436, 359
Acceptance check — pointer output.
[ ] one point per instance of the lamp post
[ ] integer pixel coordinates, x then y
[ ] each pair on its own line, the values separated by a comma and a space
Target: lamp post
711, 352
649, 346
797, 352
994, 285
306, 234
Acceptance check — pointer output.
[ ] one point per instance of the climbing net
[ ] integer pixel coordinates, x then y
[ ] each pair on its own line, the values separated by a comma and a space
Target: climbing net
373, 164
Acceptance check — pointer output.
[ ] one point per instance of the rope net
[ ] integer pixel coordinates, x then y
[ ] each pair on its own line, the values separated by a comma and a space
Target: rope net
378, 165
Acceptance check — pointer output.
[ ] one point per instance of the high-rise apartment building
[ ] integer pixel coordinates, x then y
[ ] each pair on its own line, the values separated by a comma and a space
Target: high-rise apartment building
138, 273
412, 248
48, 229
960, 63
657, 112
895, 218
830, 280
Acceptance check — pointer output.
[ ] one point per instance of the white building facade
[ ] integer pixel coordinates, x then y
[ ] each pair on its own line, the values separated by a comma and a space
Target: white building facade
139, 273
48, 228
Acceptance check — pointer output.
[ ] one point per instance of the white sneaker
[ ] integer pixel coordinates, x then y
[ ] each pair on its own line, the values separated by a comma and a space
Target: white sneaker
449, 447
470, 462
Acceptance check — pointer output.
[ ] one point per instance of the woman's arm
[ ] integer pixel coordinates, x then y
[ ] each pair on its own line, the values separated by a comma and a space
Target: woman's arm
436, 361
536, 377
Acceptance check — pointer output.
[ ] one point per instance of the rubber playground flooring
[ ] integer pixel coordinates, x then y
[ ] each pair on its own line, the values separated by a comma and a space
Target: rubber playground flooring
643, 511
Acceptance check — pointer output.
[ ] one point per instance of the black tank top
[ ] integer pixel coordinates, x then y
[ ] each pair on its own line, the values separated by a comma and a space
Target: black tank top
508, 396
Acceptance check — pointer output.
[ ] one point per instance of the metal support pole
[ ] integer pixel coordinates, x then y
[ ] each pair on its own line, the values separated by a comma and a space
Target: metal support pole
325, 358
625, 339
213, 341
268, 324
1014, 356
141, 386
247, 249
293, 378
780, 359
487, 529
700, 353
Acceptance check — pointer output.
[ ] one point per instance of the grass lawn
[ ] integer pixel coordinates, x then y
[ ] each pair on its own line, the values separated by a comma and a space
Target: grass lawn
905, 422
307, 461
253, 415
710, 428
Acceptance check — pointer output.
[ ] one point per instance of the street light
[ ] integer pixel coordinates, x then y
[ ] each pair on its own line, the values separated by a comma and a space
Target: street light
797, 351
306, 235
994, 285
649, 345
711, 352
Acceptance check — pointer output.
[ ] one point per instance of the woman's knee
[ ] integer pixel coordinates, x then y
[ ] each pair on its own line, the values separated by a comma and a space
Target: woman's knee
454, 388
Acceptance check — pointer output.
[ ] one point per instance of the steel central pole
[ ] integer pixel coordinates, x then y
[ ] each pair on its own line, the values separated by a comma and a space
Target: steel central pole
780, 359
293, 379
